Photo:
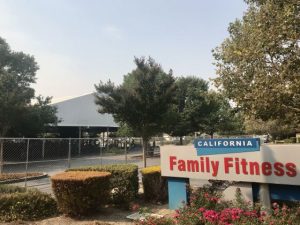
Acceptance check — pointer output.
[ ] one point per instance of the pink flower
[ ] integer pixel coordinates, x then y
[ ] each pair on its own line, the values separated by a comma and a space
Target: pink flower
201, 209
263, 213
211, 215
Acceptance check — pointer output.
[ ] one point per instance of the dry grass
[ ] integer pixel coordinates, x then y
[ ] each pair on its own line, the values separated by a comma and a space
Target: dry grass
16, 176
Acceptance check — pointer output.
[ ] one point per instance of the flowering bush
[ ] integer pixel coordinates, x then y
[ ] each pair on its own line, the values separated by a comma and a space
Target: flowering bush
202, 216
206, 208
208, 198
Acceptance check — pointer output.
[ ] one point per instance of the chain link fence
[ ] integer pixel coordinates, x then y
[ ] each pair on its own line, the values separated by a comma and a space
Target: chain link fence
43, 157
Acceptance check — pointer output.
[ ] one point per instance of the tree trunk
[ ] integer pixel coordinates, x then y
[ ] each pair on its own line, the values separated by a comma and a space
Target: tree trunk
145, 150
212, 135
180, 140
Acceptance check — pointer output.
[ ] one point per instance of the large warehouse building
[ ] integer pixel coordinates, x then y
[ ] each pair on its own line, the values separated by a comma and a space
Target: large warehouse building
79, 115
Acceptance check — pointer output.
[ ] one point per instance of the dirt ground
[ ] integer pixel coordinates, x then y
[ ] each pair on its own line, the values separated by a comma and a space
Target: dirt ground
110, 216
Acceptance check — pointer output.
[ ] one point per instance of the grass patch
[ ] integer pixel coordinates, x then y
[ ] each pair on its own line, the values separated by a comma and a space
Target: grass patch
18, 176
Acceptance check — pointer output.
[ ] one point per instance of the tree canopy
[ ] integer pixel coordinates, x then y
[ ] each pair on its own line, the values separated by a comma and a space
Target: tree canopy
189, 106
220, 116
276, 128
197, 109
143, 101
258, 64
17, 115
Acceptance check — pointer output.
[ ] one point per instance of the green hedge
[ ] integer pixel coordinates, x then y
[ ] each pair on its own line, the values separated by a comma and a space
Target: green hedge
18, 204
81, 192
124, 181
155, 186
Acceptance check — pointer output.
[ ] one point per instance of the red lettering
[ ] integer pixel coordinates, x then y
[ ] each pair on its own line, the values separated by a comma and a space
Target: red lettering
172, 162
227, 164
207, 164
237, 166
215, 168
244, 166
181, 165
278, 169
202, 164
193, 165
266, 168
254, 166
292, 171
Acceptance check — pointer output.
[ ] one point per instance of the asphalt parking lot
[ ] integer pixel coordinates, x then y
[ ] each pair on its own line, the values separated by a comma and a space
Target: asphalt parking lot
52, 167
55, 166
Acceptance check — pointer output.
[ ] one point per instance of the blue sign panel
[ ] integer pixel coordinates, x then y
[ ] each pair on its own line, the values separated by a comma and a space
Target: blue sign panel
225, 146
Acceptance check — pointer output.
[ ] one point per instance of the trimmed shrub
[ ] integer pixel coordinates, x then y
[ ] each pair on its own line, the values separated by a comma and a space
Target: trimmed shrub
155, 186
18, 204
124, 181
81, 193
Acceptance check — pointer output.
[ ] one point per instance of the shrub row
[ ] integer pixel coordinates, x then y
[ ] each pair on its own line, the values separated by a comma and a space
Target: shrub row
155, 186
81, 193
18, 204
123, 182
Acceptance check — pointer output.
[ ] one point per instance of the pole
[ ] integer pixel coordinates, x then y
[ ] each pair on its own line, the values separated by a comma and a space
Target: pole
107, 147
26, 165
144, 152
103, 145
264, 195
79, 142
1, 156
43, 149
101, 151
69, 154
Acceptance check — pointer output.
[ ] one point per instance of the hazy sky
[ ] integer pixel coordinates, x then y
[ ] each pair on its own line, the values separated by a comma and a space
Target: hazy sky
77, 43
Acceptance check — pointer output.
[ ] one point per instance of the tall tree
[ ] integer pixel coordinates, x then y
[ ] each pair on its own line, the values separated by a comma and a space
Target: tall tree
142, 101
221, 117
276, 128
17, 73
189, 107
34, 119
258, 64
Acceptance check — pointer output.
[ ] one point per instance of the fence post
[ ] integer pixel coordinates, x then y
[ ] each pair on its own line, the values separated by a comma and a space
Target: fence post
43, 149
69, 154
79, 141
101, 151
125, 151
27, 159
1, 156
